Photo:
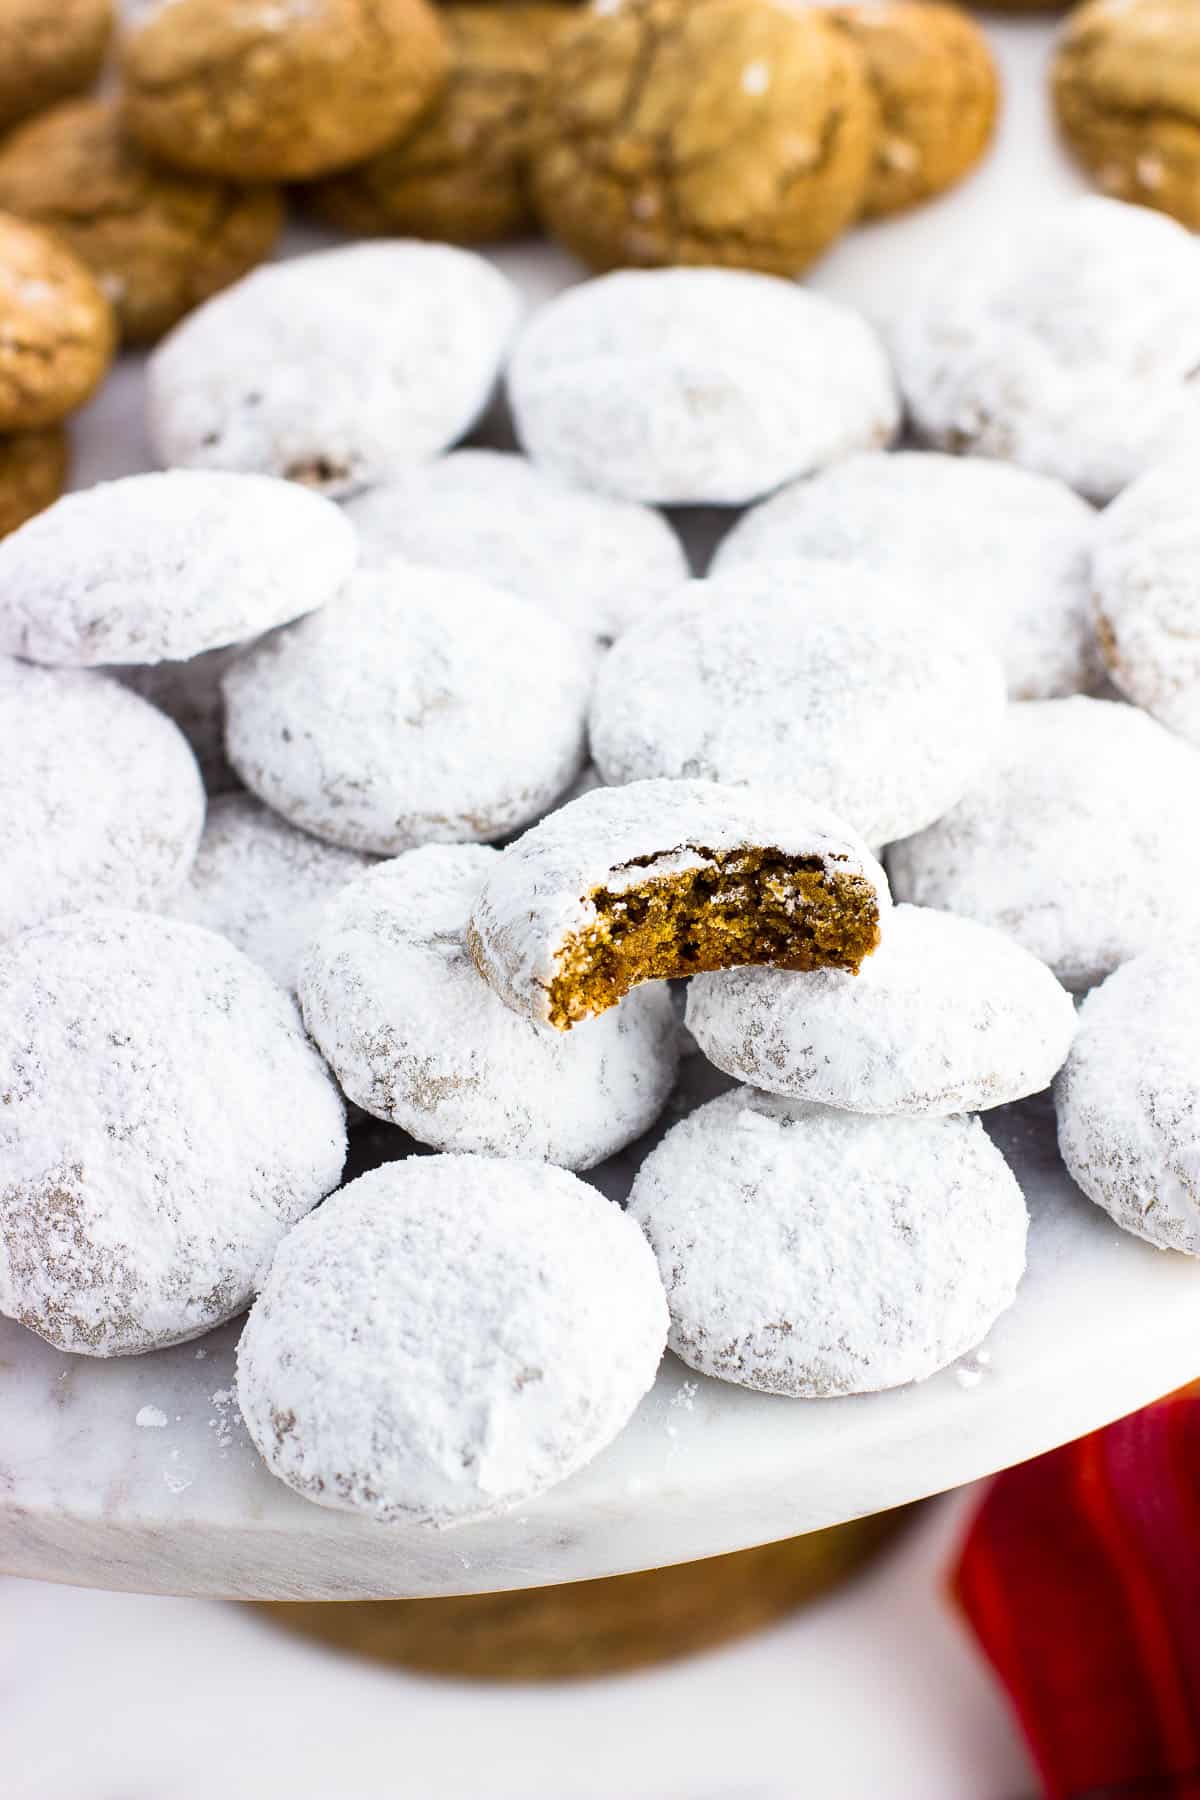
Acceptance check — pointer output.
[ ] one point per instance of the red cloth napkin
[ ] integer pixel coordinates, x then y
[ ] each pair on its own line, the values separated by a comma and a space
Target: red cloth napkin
1080, 1576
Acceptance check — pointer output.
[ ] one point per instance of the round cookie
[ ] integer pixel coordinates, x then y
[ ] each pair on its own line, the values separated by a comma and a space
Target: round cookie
338, 370
946, 1017
992, 546
417, 1037
423, 706
101, 802
460, 175
589, 560
49, 48
150, 1214
669, 878
278, 92
1126, 84
163, 566
703, 131
190, 693
1147, 592
1129, 1098
1079, 841
937, 89
822, 682
157, 242
57, 333
812, 1252
449, 1337
262, 884
1071, 350
697, 385
33, 473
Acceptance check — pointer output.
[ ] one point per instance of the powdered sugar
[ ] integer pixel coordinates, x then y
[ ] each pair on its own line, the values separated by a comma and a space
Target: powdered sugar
812, 1252
190, 693
826, 682
163, 1121
947, 1016
449, 1337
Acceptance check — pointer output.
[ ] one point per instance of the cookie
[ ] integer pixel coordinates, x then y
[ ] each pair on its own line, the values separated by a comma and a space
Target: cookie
697, 385
157, 242
33, 473
417, 1037
48, 49
946, 1017
460, 174
1126, 84
813, 1253
57, 333
278, 93
190, 693
101, 802
1070, 348
591, 561
733, 132
1129, 1098
164, 566
937, 89
262, 884
667, 878
1147, 594
423, 706
337, 370
449, 1337
985, 544
821, 682
1079, 841
149, 1214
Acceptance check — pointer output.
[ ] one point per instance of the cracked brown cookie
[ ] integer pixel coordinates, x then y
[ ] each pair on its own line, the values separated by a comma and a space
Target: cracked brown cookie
158, 242
57, 332
1127, 94
48, 48
33, 473
704, 131
938, 93
284, 91
461, 173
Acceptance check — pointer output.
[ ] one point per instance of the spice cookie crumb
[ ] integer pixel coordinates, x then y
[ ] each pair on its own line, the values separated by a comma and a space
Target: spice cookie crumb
57, 331
48, 49
33, 473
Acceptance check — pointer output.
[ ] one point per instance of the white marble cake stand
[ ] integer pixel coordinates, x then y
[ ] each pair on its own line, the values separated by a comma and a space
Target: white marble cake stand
137, 1474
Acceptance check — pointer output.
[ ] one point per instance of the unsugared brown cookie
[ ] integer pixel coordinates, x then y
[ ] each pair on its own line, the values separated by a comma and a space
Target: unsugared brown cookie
461, 173
1127, 94
158, 242
48, 48
281, 91
704, 131
57, 332
33, 471
938, 92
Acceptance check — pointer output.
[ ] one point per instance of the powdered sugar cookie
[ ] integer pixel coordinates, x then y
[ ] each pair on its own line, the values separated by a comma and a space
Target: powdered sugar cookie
422, 706
416, 1036
946, 1017
1073, 352
669, 878
337, 370
1129, 1098
811, 1252
262, 884
190, 693
987, 544
158, 567
695, 385
450, 1336
1080, 840
1146, 580
821, 681
590, 560
101, 802
150, 1213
